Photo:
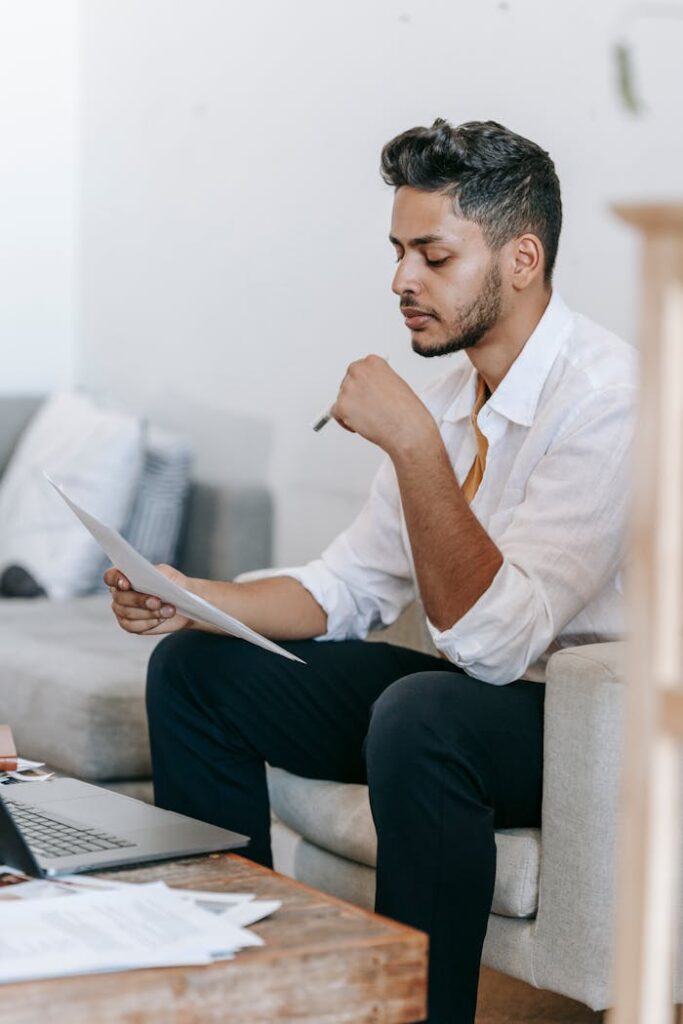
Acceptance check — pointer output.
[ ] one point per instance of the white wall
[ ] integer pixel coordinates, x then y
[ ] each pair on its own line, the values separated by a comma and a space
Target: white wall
234, 225
38, 181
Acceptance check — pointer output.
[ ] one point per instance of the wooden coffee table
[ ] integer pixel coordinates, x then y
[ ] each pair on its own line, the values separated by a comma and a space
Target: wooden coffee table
325, 961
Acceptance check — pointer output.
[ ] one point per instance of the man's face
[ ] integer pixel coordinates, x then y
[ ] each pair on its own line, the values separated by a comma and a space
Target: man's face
448, 280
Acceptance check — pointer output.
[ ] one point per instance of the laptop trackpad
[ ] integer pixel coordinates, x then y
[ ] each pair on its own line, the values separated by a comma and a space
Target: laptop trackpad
90, 805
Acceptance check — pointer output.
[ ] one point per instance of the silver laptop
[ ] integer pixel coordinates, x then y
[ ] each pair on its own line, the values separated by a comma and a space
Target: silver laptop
64, 826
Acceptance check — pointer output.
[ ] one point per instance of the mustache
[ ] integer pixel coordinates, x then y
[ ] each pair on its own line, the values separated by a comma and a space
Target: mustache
419, 309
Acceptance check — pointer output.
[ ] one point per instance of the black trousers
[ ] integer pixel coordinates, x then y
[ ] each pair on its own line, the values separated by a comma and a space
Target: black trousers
447, 759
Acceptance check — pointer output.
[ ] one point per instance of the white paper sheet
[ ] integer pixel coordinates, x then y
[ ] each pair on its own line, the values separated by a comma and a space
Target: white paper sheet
26, 771
242, 914
148, 580
24, 765
131, 927
240, 908
217, 902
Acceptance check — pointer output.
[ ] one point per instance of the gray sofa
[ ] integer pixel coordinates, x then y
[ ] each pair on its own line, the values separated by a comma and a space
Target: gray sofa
72, 685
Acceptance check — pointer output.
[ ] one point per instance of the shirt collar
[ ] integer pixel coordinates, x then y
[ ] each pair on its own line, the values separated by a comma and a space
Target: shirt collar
516, 397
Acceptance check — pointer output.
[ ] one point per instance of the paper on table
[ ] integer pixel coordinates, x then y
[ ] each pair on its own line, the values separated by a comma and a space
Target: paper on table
26, 771
24, 765
219, 901
144, 926
243, 914
240, 908
148, 580
35, 889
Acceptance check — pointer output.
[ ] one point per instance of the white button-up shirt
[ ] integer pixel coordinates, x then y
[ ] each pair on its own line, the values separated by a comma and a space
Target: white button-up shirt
554, 499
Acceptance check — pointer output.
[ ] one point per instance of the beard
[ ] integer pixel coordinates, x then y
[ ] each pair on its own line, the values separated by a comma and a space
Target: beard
473, 322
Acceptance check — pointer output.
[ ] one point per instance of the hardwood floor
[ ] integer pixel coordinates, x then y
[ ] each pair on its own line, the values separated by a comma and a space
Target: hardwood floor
504, 1000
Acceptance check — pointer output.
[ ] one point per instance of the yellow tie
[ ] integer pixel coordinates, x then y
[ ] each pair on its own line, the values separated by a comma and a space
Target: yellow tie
476, 473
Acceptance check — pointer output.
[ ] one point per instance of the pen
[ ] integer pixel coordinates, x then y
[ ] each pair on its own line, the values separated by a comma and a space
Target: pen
325, 418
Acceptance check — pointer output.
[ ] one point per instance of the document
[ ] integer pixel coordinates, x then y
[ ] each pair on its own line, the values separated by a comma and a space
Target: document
239, 907
132, 926
148, 580
26, 771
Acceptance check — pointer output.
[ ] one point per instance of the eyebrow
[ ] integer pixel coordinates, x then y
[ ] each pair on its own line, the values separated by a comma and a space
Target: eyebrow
422, 240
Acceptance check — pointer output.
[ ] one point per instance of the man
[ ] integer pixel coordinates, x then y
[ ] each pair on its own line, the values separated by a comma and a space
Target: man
502, 502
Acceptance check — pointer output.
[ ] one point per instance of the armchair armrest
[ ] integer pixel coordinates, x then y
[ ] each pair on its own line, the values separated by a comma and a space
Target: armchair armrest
573, 934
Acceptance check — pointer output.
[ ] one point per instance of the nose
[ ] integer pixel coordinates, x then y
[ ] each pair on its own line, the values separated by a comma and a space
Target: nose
406, 278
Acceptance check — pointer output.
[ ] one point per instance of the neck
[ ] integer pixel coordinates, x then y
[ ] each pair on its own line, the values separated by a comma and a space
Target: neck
493, 356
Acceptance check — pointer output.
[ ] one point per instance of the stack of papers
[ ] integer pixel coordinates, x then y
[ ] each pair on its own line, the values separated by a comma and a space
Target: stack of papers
114, 926
26, 771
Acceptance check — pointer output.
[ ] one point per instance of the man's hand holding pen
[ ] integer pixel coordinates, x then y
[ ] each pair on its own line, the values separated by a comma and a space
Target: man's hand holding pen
375, 402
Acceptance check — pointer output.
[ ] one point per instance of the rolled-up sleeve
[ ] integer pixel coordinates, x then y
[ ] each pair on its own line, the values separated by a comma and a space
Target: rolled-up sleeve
363, 580
562, 544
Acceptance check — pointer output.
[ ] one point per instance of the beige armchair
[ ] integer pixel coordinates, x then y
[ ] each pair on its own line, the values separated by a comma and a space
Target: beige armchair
551, 922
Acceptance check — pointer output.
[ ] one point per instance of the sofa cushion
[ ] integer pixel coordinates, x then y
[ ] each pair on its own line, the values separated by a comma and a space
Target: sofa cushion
72, 686
336, 817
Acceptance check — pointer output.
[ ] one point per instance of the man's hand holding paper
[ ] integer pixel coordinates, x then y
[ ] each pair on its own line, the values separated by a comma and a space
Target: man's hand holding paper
146, 613
165, 587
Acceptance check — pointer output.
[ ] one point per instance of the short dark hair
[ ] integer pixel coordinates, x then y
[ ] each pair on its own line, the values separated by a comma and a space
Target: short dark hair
496, 178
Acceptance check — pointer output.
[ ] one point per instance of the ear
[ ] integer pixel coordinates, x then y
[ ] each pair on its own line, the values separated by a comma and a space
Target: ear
528, 261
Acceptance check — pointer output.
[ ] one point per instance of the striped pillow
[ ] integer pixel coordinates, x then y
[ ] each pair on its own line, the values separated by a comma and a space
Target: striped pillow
156, 518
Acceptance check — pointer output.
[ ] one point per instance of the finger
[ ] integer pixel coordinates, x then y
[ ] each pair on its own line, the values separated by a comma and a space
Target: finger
130, 599
166, 611
159, 630
134, 614
336, 416
138, 627
341, 423
141, 614
114, 578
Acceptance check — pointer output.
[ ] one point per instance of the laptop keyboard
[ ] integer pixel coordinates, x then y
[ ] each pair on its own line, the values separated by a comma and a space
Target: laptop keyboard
53, 837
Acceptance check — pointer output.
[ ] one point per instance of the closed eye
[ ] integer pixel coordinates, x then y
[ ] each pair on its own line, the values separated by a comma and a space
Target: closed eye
430, 263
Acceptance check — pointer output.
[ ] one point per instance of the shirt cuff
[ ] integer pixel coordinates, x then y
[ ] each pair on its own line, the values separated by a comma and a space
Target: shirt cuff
329, 591
494, 640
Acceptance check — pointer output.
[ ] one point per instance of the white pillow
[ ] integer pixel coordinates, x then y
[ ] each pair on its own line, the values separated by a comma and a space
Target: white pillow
96, 456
